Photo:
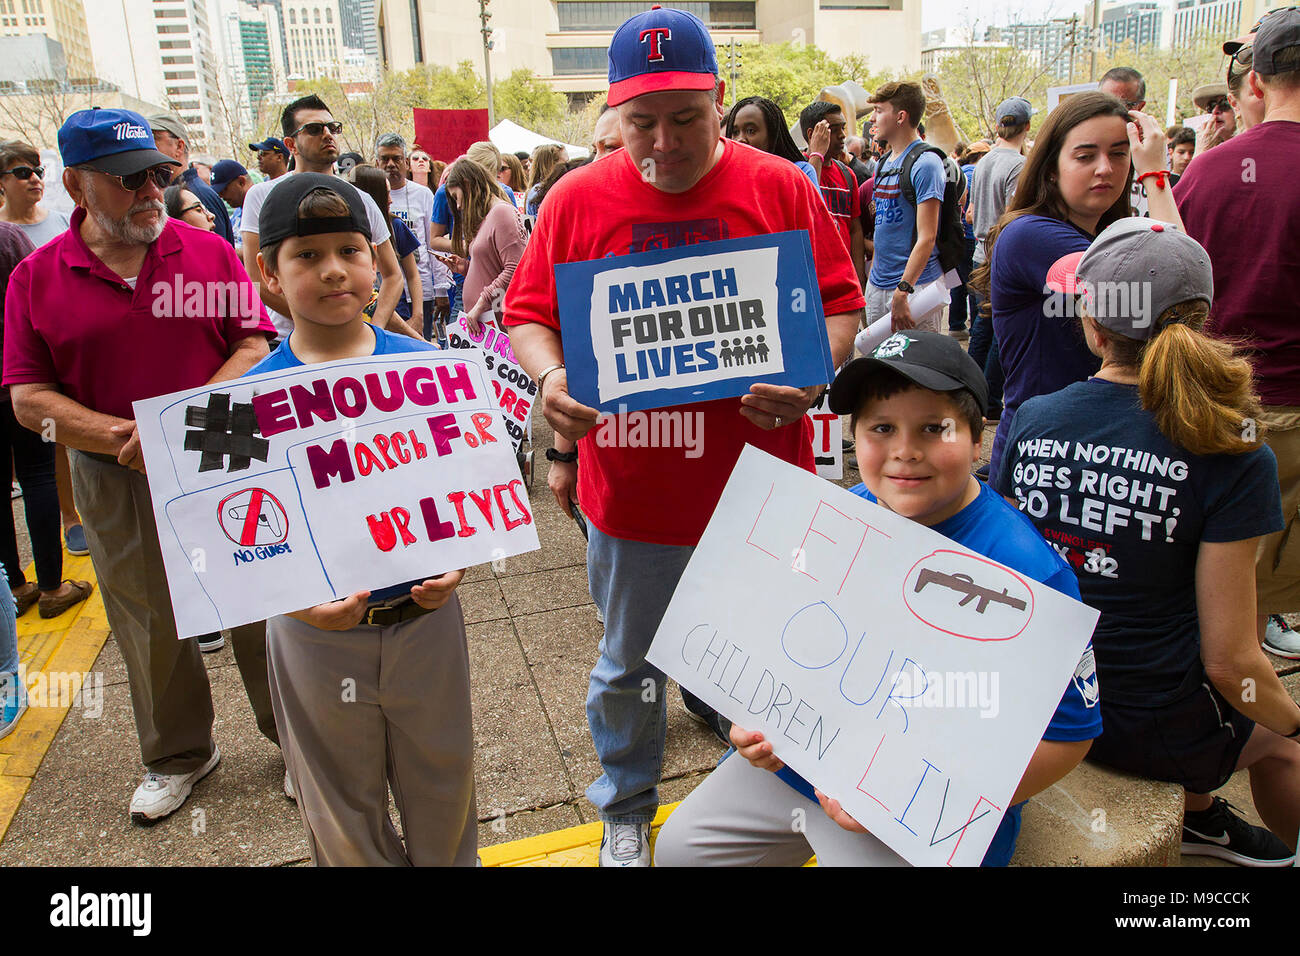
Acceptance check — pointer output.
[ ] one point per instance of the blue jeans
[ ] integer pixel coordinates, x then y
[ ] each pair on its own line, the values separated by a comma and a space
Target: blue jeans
984, 350
632, 583
8, 628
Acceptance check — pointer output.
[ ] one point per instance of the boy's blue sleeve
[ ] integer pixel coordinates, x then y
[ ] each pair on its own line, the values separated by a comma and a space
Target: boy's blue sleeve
1078, 715
441, 212
928, 178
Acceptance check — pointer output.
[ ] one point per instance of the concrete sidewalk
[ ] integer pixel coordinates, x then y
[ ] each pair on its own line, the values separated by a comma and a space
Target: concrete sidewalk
533, 636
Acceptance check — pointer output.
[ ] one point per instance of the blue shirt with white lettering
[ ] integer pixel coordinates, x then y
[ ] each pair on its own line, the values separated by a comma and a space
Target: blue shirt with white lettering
991, 527
896, 217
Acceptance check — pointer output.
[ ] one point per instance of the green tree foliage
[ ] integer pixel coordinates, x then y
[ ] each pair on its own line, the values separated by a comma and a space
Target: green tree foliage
526, 100
792, 74
1192, 64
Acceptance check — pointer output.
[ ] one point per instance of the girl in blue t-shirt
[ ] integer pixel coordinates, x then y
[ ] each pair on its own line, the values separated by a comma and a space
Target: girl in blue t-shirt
1152, 481
1075, 182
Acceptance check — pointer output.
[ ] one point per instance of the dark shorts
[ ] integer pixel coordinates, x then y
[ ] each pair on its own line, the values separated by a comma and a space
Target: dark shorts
1195, 741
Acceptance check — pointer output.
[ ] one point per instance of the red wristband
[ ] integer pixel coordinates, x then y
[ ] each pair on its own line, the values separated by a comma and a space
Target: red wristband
1161, 175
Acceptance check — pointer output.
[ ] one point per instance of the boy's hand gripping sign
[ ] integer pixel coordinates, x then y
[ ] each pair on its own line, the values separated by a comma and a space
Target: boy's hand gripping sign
288, 489
693, 323
895, 670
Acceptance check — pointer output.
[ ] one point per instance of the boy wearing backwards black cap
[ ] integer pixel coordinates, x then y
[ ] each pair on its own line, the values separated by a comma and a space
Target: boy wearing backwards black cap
917, 406
408, 722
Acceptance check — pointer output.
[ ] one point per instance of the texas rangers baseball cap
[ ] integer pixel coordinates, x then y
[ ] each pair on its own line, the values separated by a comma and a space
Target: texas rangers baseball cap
930, 359
661, 49
1134, 270
270, 144
117, 142
224, 173
1278, 32
279, 217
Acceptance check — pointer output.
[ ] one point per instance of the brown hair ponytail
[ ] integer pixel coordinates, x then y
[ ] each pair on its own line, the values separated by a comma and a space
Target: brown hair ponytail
1200, 391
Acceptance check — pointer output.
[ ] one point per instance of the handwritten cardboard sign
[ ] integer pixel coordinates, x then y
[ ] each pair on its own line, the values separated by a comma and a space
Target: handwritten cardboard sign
827, 440
515, 389
693, 323
287, 489
892, 668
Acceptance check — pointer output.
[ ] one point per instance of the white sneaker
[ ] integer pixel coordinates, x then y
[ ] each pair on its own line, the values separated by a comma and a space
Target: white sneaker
289, 792
1281, 639
625, 844
210, 643
161, 794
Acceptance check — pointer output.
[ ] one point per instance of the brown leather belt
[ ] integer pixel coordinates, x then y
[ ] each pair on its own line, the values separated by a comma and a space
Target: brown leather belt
386, 615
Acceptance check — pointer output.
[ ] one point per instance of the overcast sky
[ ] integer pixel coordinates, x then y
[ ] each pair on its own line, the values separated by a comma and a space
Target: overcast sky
955, 13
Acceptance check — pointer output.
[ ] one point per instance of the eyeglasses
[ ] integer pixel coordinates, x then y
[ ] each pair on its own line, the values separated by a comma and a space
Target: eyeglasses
197, 205
317, 129
1219, 106
24, 172
262, 154
161, 176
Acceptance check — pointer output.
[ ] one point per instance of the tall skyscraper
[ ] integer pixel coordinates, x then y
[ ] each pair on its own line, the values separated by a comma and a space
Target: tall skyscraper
63, 21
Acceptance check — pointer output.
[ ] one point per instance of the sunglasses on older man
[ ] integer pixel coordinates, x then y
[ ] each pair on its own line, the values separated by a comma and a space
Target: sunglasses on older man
161, 176
24, 172
1219, 106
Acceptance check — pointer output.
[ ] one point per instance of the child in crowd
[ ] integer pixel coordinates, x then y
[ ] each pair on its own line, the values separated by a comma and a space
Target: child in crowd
1152, 480
917, 405
408, 724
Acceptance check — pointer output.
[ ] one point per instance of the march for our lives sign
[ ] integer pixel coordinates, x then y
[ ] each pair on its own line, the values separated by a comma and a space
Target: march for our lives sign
693, 323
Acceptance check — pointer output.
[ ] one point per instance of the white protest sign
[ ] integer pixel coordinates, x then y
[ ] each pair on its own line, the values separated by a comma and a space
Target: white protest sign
515, 389
1058, 94
895, 670
750, 341
827, 440
280, 491
927, 298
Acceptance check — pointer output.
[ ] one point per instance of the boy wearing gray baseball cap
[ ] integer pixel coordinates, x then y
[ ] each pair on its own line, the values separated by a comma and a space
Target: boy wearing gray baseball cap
1152, 481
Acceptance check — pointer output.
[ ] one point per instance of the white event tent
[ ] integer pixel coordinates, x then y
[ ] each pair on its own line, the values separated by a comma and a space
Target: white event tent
512, 138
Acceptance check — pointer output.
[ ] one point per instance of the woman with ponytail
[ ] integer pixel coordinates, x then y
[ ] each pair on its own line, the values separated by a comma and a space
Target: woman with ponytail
1075, 182
1151, 479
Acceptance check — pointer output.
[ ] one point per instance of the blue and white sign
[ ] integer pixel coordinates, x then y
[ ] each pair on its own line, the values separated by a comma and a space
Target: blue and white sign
693, 323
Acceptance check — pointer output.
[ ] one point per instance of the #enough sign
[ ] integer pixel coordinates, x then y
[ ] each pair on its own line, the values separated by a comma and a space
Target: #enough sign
895, 670
284, 490
693, 323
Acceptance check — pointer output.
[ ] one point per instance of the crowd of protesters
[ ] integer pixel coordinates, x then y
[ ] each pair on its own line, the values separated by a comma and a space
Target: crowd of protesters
1016, 231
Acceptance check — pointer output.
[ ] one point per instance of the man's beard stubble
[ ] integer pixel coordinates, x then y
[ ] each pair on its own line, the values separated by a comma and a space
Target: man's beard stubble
125, 230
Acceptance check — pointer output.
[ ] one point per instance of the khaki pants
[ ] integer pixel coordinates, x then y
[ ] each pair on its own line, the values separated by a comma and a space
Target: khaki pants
1277, 567
372, 707
169, 684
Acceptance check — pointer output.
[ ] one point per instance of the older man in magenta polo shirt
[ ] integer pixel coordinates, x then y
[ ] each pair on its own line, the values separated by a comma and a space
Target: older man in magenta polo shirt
91, 325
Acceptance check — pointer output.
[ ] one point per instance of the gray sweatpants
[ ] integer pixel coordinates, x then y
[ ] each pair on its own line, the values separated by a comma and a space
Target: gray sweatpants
169, 684
743, 816
368, 708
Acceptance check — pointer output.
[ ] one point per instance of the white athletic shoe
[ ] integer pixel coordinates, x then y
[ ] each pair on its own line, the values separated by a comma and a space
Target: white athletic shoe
289, 792
625, 844
161, 794
1281, 639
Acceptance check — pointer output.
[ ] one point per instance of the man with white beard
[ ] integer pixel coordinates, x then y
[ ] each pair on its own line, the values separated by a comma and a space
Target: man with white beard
77, 370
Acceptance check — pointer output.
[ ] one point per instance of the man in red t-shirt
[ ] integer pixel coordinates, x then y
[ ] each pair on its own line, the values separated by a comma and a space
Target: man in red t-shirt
675, 182
1250, 180
823, 126
94, 320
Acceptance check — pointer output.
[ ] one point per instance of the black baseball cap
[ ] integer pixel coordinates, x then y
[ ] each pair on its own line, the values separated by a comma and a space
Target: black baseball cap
930, 359
1277, 33
279, 217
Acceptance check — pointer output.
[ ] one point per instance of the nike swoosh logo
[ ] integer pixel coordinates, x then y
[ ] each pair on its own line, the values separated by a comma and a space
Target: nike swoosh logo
1221, 840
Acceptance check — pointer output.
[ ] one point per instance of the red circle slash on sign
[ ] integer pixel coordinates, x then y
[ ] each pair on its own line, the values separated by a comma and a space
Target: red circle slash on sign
253, 516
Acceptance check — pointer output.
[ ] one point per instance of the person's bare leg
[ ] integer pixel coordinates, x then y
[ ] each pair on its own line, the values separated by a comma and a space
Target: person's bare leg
1196, 802
63, 479
1274, 765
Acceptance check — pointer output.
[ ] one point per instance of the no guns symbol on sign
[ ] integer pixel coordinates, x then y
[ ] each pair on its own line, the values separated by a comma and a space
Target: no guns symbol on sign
252, 517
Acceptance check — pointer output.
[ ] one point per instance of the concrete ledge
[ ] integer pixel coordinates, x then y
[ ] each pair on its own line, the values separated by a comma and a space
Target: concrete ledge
1099, 817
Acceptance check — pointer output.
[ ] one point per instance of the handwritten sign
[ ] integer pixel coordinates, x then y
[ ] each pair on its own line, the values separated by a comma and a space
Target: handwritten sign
827, 440
446, 134
892, 668
284, 490
515, 389
692, 323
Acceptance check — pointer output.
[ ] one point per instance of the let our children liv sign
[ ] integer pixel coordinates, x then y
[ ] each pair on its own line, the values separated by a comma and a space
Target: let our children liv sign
693, 323
280, 491
895, 670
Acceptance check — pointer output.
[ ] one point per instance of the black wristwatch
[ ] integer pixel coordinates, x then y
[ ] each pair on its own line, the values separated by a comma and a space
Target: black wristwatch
568, 457
905, 286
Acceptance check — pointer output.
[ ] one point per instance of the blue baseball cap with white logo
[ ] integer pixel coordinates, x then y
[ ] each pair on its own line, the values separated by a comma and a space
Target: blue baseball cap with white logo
224, 173
661, 49
112, 141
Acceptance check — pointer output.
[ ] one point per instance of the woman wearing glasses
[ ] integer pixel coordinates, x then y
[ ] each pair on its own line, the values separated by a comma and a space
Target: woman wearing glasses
1212, 98
185, 206
22, 183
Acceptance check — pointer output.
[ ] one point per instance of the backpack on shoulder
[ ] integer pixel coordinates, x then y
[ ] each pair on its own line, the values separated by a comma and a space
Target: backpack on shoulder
951, 237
